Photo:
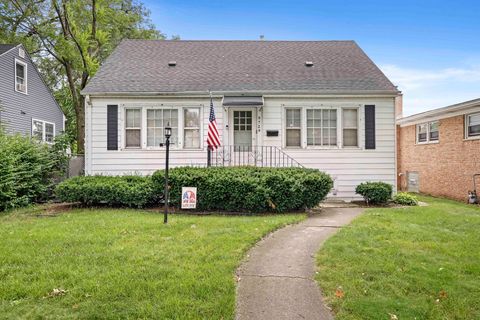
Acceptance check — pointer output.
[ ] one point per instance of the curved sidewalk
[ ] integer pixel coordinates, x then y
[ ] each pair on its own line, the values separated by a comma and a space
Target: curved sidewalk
277, 280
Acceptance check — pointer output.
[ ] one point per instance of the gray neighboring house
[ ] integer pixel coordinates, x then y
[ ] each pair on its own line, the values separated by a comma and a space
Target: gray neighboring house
27, 105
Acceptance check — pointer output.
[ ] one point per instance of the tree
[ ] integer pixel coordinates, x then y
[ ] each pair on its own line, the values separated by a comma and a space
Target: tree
69, 39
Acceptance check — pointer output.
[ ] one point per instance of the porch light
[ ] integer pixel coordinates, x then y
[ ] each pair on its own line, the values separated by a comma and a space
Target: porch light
168, 131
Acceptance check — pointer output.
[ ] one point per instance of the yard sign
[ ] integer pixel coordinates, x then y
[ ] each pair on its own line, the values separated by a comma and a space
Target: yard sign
189, 197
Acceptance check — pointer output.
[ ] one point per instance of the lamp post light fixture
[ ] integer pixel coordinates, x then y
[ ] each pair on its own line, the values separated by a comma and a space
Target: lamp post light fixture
168, 134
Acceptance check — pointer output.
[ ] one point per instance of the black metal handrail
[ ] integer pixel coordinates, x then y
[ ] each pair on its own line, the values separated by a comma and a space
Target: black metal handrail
260, 156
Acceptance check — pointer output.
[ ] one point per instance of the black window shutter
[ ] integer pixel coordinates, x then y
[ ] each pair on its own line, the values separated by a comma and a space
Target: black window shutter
112, 127
370, 127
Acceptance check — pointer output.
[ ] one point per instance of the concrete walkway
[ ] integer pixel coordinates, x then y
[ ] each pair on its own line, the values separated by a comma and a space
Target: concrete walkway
277, 279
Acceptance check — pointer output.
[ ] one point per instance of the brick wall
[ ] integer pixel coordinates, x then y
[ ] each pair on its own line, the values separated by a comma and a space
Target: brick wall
445, 168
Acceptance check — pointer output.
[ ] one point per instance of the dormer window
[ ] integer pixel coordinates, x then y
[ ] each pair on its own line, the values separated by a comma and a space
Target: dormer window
20, 76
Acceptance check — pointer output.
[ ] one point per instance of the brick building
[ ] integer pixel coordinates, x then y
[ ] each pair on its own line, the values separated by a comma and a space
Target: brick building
439, 150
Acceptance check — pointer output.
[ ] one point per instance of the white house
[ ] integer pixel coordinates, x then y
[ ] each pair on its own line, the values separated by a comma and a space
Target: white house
319, 104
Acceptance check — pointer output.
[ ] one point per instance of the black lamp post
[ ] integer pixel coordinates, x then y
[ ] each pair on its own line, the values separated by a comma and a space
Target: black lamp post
168, 134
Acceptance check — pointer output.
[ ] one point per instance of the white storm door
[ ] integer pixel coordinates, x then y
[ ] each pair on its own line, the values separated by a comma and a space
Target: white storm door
243, 128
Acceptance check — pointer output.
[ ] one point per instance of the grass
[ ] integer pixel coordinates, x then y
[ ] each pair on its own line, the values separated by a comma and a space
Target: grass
414, 263
124, 264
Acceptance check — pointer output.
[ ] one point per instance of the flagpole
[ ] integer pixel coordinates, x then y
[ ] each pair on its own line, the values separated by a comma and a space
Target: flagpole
209, 152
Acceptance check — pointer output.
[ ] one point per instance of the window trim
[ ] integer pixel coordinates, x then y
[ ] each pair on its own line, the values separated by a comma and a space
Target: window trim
356, 128
44, 132
145, 123
338, 128
25, 80
183, 128
143, 107
466, 125
124, 131
428, 141
294, 128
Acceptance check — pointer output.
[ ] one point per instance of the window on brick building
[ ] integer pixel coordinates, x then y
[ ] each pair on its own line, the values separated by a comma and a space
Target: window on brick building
472, 126
427, 132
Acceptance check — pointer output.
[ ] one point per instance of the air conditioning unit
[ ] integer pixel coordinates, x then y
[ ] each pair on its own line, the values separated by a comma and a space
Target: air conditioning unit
21, 87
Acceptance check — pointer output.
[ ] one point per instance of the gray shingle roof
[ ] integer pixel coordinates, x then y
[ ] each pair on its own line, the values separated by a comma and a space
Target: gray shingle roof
5, 47
138, 66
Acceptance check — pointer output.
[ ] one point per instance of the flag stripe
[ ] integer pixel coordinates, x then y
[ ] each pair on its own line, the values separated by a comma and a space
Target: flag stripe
213, 138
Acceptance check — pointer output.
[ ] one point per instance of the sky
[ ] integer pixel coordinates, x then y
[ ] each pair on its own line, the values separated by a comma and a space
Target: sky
429, 49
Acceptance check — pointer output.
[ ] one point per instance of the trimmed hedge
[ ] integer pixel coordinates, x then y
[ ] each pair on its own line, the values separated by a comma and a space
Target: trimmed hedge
253, 189
127, 191
405, 199
375, 192
234, 189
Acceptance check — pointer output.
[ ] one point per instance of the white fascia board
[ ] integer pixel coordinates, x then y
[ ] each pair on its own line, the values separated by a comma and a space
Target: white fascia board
279, 93
441, 113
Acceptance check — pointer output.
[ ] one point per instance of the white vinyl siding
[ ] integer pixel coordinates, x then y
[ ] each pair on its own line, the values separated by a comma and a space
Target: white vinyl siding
472, 126
348, 166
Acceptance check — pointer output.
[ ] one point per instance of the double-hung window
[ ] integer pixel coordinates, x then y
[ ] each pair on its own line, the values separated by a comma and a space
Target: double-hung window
427, 132
293, 128
191, 128
157, 120
433, 131
350, 127
43, 131
133, 128
20, 76
321, 127
472, 126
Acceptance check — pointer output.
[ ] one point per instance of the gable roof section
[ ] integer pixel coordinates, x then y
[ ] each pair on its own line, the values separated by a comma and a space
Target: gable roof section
6, 47
142, 66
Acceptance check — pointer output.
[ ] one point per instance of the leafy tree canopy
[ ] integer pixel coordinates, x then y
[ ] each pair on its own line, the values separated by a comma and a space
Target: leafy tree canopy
69, 40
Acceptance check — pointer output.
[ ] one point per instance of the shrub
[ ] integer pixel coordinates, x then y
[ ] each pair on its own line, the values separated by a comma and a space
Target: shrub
127, 191
375, 192
405, 199
248, 188
28, 170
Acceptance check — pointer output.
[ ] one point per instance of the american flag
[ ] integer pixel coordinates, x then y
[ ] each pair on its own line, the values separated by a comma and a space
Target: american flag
213, 139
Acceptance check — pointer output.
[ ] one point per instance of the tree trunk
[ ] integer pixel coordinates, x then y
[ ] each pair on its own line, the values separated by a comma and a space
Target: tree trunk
80, 114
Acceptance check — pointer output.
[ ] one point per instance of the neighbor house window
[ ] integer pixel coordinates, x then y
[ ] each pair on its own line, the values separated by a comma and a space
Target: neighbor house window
472, 125
293, 128
43, 131
322, 127
133, 125
433, 131
427, 132
350, 127
20, 76
157, 120
191, 128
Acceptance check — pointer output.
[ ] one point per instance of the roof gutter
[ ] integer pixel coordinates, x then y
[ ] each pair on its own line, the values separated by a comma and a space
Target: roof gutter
441, 113
276, 93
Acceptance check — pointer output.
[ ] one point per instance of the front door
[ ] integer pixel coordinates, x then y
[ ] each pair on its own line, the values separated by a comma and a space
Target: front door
243, 129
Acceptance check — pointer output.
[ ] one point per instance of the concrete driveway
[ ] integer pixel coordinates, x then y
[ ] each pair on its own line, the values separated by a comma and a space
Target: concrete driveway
277, 279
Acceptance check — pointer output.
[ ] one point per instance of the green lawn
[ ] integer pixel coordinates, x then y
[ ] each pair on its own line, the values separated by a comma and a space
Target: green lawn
414, 263
124, 264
